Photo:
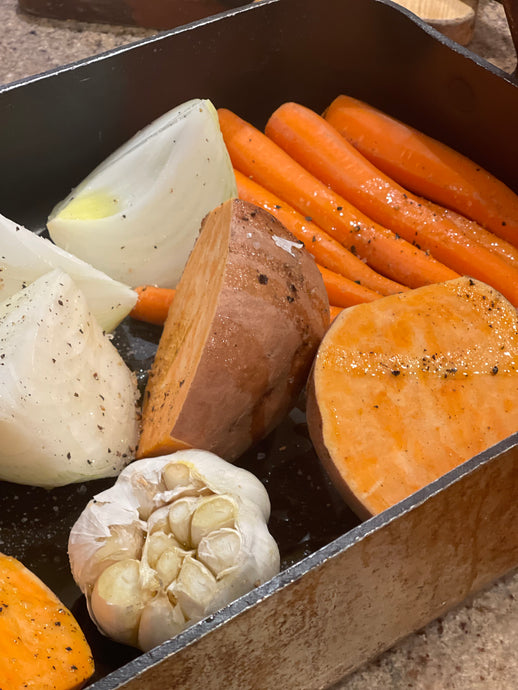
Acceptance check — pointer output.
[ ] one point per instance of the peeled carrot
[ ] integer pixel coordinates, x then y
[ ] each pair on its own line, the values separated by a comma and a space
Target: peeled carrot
319, 147
256, 156
426, 166
325, 249
476, 233
334, 312
152, 304
343, 292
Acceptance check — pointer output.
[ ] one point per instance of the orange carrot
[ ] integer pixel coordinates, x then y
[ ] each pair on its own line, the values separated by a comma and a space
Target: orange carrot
426, 166
334, 312
343, 292
477, 233
152, 304
256, 156
324, 248
317, 146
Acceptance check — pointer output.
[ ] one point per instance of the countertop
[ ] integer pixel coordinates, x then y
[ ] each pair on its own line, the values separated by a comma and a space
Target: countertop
474, 646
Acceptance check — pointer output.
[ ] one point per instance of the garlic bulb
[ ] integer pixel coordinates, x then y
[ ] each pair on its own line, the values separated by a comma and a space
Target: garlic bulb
67, 399
25, 256
137, 215
173, 540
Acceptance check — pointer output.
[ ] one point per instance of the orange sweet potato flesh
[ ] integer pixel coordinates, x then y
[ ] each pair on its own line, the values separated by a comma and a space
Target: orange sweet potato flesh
240, 337
405, 388
42, 645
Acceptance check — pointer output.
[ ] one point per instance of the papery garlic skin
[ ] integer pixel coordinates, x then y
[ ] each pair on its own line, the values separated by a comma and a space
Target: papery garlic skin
187, 566
25, 256
67, 400
137, 215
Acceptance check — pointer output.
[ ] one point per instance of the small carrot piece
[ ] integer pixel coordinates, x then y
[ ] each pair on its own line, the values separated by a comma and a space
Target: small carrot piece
343, 292
317, 145
325, 249
426, 166
152, 304
256, 156
334, 312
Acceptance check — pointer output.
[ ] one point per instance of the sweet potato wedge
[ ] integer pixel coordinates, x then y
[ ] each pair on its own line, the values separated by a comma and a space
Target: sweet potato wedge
42, 645
239, 340
405, 388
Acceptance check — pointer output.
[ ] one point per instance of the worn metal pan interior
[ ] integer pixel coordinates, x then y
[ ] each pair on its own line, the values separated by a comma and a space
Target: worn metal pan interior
347, 590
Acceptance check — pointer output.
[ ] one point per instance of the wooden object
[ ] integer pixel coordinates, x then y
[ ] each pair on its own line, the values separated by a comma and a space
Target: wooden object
453, 18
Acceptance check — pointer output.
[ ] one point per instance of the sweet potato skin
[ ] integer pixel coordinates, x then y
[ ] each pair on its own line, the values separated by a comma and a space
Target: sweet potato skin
406, 388
271, 313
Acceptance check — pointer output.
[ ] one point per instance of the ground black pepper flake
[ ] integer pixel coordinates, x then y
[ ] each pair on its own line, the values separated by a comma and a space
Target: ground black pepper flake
263, 279
494, 370
395, 372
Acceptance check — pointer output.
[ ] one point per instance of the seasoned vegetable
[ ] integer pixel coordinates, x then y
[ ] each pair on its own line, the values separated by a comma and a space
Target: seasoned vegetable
405, 388
257, 156
316, 145
240, 336
136, 216
67, 400
25, 256
152, 304
175, 539
43, 646
427, 166
343, 292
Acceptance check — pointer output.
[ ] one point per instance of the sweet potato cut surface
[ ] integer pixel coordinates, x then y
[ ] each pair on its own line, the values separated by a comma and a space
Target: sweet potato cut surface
238, 343
42, 645
405, 388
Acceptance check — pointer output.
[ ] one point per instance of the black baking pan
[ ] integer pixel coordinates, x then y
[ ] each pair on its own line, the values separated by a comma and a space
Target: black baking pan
347, 590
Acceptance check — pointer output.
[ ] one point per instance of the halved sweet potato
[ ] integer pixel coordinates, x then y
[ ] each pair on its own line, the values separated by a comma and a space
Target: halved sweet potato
236, 349
405, 388
42, 644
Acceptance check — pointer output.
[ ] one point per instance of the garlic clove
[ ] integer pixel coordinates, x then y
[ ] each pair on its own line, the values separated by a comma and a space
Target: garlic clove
161, 619
168, 565
180, 515
178, 477
211, 514
118, 601
220, 551
194, 589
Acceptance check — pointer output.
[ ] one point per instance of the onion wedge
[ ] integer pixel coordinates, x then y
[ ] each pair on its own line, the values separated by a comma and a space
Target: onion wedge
137, 215
67, 400
25, 256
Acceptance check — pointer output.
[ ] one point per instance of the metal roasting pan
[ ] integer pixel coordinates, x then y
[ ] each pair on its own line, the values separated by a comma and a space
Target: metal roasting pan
347, 590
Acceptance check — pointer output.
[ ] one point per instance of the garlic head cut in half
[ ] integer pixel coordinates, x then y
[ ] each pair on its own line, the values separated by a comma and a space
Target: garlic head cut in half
137, 215
67, 399
173, 540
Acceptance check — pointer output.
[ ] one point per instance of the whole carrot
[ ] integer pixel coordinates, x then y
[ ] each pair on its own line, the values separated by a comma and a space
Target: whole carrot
476, 233
325, 249
343, 292
152, 304
426, 166
256, 156
317, 146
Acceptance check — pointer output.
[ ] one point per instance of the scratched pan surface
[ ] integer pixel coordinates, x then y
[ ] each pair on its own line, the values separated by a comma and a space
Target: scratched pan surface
346, 590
